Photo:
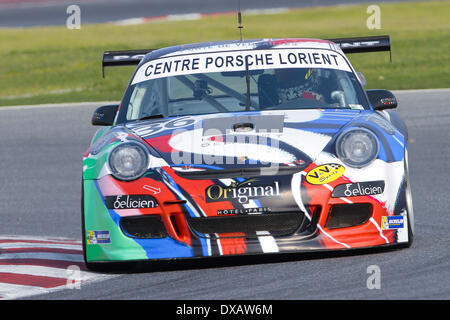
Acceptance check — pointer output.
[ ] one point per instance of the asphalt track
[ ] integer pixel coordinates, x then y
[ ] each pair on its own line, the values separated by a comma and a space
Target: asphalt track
29, 13
40, 170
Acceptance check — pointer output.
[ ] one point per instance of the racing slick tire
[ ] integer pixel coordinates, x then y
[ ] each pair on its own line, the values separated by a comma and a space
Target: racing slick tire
409, 204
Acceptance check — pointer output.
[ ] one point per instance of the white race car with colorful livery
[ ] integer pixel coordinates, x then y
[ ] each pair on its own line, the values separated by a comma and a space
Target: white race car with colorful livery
245, 148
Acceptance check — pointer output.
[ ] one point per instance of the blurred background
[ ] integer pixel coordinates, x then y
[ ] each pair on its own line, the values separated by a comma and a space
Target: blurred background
51, 49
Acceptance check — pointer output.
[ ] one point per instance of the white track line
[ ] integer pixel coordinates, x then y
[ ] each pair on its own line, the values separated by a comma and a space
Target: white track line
46, 271
20, 277
18, 245
38, 238
14, 291
43, 255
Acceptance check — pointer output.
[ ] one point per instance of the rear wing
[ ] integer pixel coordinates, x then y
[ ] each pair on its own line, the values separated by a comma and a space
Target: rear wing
364, 44
122, 58
348, 45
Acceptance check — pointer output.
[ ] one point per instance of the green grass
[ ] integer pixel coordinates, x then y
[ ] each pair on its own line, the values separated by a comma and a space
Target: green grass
55, 64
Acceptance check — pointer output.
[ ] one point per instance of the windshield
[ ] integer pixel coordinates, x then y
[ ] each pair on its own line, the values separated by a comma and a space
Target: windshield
252, 85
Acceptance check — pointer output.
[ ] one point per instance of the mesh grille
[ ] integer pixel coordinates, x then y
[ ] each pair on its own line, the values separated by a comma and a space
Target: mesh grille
278, 224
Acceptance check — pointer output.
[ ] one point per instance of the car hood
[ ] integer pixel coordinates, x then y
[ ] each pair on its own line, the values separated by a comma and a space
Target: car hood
244, 139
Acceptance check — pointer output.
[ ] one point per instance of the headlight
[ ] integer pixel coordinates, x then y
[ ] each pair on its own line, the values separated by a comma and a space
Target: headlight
128, 161
357, 147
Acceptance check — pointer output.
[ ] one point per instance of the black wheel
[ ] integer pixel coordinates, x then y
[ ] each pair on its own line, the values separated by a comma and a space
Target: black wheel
409, 204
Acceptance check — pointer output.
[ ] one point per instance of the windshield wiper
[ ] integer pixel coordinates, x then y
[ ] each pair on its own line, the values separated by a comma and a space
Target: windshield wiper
153, 116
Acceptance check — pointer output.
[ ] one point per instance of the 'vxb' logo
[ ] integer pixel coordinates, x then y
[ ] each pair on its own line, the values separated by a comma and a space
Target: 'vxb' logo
325, 173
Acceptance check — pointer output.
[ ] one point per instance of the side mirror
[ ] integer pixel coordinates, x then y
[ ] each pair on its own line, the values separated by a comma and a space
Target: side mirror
104, 116
382, 99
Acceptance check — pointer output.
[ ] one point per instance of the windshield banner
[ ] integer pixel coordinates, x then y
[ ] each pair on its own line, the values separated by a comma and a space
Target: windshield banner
237, 61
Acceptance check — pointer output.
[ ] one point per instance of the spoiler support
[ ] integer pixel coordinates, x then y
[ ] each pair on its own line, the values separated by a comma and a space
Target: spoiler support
364, 44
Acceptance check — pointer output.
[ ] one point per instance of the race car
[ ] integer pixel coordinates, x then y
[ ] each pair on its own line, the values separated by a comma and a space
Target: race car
245, 148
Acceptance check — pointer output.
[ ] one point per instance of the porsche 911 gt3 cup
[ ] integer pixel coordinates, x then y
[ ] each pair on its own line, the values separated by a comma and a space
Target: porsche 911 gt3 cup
245, 148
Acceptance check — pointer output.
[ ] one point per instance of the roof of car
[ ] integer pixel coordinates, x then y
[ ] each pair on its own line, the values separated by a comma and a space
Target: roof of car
233, 45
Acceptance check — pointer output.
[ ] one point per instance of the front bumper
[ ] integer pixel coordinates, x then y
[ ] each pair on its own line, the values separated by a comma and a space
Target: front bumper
106, 239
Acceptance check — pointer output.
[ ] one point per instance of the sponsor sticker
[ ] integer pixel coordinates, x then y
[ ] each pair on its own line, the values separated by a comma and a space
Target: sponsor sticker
325, 173
243, 192
369, 188
150, 129
388, 101
139, 201
98, 237
237, 60
243, 211
392, 222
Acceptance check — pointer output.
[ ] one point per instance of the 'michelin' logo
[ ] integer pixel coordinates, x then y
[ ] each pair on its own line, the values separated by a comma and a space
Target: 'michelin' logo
243, 191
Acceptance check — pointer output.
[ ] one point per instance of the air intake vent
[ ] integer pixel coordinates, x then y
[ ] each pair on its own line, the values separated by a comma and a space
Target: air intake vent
349, 215
143, 227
